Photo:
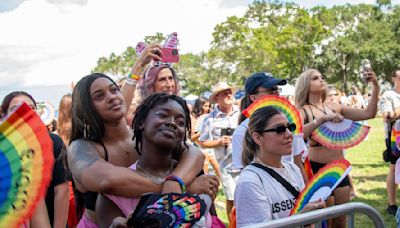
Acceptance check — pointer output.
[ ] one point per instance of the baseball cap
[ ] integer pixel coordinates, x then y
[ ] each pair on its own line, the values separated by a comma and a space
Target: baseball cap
263, 79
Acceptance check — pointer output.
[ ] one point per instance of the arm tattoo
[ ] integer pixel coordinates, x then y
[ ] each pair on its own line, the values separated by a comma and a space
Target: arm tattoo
81, 155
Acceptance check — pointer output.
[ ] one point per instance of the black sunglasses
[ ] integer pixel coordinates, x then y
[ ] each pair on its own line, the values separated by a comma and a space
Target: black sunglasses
282, 129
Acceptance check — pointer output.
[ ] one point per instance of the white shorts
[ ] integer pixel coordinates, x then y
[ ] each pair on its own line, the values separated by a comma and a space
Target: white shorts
228, 181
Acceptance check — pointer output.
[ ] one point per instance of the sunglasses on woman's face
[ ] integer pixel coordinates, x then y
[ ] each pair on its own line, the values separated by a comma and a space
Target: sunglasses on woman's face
282, 129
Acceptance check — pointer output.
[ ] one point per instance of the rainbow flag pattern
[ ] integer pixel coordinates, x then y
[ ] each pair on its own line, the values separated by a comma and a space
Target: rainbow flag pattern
26, 163
342, 135
395, 139
322, 184
282, 105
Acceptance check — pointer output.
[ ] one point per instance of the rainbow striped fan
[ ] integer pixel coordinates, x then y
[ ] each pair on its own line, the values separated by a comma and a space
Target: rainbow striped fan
168, 210
395, 138
342, 135
322, 184
26, 163
279, 103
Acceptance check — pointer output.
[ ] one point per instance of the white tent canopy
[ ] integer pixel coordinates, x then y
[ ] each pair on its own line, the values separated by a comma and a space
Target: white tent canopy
286, 90
191, 97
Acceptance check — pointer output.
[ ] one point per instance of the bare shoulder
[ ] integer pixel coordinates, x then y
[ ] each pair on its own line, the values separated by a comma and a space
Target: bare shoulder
335, 107
81, 155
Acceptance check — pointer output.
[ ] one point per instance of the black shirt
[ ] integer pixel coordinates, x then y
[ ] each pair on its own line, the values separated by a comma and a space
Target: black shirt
59, 175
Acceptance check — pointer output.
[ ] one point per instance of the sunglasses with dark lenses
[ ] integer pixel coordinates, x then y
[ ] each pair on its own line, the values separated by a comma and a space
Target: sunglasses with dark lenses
282, 129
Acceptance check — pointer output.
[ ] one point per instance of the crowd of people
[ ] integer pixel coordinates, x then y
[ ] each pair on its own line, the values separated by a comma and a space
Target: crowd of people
116, 142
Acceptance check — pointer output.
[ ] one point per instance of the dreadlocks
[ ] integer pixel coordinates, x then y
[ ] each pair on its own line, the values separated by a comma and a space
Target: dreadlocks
144, 109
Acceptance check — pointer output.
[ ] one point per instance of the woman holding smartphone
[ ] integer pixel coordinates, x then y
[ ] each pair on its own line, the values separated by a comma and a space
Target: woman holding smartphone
311, 93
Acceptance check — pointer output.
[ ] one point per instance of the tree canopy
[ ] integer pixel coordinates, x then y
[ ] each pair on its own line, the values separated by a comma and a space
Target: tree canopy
285, 39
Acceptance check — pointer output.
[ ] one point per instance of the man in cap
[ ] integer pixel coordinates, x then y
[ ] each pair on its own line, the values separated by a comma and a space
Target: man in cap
257, 86
216, 132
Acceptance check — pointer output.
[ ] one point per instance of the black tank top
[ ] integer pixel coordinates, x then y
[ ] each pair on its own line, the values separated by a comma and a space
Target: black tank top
91, 197
306, 121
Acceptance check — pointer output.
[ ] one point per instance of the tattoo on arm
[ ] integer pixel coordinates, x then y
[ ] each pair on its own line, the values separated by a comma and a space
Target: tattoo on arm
81, 155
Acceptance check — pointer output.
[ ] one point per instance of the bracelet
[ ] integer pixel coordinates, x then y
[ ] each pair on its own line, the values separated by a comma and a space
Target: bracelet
134, 76
177, 179
130, 81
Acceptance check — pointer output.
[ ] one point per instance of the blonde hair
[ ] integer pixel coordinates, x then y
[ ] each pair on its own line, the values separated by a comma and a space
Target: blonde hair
302, 88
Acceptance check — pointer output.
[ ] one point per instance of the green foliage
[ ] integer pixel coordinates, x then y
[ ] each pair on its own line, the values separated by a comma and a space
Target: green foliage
368, 173
285, 39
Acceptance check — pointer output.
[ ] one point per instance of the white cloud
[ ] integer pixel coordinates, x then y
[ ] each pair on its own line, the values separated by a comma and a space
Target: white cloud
48, 42
55, 41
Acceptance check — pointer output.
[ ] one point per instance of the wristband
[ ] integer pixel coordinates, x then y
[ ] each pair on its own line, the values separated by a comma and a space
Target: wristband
177, 179
130, 81
134, 76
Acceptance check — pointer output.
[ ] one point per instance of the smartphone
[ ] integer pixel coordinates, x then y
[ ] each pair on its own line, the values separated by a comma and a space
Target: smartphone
227, 131
169, 55
364, 69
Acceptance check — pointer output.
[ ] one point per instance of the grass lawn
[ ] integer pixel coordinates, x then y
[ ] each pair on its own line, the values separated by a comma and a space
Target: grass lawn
368, 173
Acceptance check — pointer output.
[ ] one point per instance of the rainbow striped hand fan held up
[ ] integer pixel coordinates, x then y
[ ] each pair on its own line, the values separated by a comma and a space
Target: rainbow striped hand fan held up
342, 135
26, 163
322, 184
282, 105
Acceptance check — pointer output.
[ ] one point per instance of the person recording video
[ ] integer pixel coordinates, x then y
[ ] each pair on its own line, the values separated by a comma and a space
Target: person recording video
216, 132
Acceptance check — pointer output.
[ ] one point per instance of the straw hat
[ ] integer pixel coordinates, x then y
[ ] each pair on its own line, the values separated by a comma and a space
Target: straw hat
218, 88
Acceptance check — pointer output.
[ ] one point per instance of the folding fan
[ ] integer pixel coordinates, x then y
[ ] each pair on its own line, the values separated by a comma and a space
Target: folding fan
341, 135
279, 103
395, 138
168, 210
26, 163
322, 184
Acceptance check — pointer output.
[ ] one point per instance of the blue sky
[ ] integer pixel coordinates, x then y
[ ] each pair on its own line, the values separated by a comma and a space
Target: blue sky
46, 43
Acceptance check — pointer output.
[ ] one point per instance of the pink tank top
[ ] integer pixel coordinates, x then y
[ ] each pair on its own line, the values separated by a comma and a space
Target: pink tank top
126, 205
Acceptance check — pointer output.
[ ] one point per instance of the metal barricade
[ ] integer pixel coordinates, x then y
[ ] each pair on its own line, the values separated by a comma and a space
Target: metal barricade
317, 216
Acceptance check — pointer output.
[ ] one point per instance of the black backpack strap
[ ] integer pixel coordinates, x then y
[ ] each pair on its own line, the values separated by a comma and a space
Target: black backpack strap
278, 178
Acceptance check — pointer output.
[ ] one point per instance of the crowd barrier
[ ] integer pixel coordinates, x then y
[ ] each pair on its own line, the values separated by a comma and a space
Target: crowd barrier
316, 217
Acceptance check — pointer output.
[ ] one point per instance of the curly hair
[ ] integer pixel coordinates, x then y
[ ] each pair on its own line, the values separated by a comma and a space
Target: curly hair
143, 111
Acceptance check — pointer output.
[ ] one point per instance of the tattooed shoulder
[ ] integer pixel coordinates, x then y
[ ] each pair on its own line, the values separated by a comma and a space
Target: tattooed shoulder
81, 155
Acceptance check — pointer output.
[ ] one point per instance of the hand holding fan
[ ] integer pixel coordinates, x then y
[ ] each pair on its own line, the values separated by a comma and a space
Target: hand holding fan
322, 184
26, 163
282, 105
341, 135
167, 210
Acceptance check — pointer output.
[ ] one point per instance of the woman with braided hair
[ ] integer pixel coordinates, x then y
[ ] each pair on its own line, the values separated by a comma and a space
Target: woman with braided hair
101, 148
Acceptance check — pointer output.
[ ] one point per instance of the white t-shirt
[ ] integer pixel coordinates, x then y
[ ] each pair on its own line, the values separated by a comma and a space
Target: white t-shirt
260, 198
389, 102
298, 145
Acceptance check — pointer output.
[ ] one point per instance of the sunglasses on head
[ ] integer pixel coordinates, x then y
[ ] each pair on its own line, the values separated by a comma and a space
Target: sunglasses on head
159, 63
282, 129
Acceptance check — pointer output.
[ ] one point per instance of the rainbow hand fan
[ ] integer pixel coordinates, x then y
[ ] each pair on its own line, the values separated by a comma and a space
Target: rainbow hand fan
282, 105
342, 135
322, 184
26, 163
395, 138
168, 210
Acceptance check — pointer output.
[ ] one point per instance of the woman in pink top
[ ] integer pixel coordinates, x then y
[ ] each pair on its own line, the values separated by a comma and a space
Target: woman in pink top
161, 126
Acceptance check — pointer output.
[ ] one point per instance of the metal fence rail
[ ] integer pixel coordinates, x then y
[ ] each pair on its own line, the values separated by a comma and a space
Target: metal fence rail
315, 217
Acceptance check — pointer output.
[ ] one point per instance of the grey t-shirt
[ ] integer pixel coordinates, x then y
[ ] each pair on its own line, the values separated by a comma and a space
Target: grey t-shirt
260, 198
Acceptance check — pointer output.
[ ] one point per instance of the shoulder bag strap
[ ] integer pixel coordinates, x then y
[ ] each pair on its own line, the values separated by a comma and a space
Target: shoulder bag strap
280, 179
